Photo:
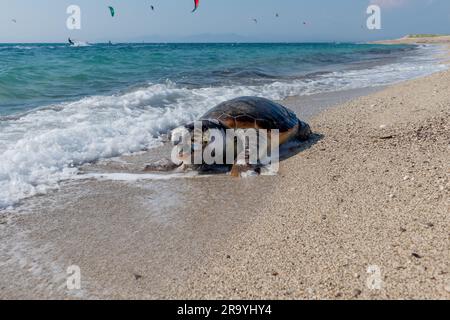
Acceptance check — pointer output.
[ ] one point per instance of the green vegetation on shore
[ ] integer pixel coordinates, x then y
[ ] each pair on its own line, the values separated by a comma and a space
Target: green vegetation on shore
424, 35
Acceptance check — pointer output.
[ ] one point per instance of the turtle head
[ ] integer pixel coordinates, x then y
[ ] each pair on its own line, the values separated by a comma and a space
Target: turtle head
304, 131
195, 137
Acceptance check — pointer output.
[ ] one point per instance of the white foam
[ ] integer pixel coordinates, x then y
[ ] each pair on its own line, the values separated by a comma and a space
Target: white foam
45, 146
80, 44
131, 177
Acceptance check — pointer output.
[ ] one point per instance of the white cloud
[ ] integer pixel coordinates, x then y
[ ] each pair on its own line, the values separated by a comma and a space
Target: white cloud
389, 3
398, 3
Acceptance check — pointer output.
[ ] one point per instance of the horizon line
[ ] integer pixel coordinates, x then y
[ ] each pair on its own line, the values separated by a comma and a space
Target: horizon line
198, 42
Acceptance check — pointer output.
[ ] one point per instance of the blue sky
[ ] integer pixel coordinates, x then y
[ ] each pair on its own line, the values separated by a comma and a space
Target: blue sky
172, 20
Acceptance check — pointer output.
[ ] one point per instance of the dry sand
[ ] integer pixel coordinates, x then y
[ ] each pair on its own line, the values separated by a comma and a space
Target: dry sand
444, 39
371, 189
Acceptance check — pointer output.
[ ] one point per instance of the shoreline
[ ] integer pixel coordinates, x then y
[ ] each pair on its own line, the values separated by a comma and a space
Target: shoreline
437, 40
306, 106
372, 191
134, 120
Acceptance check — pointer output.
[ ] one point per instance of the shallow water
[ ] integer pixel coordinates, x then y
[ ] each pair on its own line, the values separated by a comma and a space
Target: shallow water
61, 107
33, 75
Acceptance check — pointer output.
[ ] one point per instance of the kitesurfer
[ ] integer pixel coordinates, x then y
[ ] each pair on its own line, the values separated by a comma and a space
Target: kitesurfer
196, 4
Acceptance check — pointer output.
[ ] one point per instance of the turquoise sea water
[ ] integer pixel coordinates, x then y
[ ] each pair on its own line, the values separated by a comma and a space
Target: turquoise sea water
63, 106
37, 75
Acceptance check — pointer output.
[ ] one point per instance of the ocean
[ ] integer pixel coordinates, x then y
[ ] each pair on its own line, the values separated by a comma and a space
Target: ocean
63, 106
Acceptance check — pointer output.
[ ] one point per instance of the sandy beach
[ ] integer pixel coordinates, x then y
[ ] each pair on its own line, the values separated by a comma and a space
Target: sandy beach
122, 172
370, 190
419, 39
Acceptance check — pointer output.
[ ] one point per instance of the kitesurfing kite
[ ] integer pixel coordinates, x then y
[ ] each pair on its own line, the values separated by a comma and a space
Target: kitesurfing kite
277, 15
152, 7
14, 20
255, 20
196, 4
113, 12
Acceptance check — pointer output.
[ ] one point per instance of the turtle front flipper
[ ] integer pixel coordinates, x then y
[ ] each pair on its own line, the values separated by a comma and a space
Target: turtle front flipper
243, 167
238, 170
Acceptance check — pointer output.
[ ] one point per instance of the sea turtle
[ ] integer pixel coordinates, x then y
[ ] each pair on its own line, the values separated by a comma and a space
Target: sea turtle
248, 113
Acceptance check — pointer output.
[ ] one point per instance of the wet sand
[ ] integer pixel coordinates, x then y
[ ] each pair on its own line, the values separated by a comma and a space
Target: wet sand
371, 189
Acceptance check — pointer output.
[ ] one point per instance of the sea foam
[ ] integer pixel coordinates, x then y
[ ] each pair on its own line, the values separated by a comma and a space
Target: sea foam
43, 147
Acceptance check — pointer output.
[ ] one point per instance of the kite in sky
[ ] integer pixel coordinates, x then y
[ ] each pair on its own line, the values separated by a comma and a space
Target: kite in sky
196, 4
152, 7
14, 20
255, 20
277, 15
113, 12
